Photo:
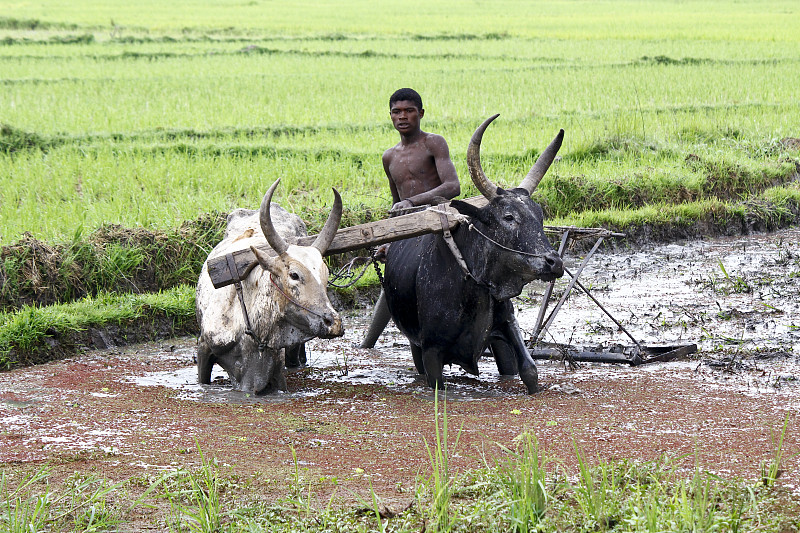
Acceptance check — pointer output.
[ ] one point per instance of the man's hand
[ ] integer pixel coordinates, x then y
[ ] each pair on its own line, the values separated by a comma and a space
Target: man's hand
399, 206
380, 253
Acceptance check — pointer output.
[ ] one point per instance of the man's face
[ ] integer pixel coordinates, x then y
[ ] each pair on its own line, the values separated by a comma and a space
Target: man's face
405, 116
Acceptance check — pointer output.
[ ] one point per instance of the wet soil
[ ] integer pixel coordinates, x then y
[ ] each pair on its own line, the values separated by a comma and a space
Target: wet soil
358, 418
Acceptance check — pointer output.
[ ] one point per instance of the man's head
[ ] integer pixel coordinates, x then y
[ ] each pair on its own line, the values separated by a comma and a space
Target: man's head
406, 94
405, 109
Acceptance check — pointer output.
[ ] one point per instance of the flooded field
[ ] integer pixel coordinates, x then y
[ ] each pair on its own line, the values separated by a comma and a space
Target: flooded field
356, 414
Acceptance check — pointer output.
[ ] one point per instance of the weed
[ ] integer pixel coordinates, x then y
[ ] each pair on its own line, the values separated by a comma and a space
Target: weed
771, 471
195, 502
440, 484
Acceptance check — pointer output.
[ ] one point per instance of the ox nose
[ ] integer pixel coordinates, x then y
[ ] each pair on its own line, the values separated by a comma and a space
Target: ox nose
334, 325
554, 263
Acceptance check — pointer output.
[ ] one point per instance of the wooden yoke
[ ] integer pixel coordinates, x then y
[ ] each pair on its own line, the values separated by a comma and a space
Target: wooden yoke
369, 235
346, 240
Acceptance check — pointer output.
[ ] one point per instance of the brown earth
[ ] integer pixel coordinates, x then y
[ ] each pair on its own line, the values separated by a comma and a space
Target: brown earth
363, 417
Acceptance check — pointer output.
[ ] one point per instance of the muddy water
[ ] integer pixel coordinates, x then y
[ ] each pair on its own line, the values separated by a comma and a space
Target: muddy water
736, 298
127, 410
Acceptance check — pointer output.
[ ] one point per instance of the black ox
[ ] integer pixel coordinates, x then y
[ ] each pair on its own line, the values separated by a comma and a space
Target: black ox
450, 316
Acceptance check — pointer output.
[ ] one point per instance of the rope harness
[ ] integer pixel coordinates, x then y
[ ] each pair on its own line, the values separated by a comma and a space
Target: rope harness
262, 344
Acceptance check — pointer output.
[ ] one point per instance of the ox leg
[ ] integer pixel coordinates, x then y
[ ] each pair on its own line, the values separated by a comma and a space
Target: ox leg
296, 356
380, 319
432, 359
504, 356
205, 362
261, 371
416, 352
506, 325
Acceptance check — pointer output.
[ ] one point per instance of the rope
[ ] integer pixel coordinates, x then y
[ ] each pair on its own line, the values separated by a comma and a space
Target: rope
472, 227
290, 299
346, 272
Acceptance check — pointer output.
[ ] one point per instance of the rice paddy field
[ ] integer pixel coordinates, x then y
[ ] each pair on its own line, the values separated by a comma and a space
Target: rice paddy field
150, 114
128, 129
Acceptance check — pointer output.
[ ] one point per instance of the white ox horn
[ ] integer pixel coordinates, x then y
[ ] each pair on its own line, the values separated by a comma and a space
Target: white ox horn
323, 240
539, 168
273, 237
325, 237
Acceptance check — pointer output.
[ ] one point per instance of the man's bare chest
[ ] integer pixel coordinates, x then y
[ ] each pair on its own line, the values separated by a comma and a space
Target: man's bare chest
412, 164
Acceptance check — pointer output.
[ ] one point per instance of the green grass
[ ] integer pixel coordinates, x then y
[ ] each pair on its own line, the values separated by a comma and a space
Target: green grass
149, 115
523, 491
27, 335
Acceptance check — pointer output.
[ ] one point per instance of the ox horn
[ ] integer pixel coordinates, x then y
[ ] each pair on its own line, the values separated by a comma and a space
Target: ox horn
487, 188
273, 237
539, 168
328, 232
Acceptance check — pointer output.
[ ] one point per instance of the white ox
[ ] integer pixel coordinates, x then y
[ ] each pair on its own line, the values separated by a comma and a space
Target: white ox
286, 299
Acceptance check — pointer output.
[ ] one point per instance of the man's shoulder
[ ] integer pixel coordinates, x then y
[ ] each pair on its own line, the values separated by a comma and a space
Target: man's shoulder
435, 142
389, 153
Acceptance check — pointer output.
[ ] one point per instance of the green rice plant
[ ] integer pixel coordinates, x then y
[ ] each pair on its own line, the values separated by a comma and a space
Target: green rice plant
197, 507
525, 484
440, 483
596, 493
81, 506
770, 471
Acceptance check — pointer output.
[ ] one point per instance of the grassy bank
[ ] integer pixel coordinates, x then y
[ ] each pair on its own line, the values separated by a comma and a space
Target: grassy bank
34, 335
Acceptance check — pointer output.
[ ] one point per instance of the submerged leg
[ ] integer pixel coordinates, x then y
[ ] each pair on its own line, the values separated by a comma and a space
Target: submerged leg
296, 356
416, 353
504, 356
205, 362
432, 359
380, 318
506, 325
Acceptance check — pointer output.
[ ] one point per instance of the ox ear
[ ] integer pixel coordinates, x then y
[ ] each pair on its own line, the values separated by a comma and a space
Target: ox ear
267, 262
469, 210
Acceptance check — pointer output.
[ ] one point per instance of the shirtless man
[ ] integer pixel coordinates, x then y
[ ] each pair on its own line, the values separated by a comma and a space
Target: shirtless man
420, 172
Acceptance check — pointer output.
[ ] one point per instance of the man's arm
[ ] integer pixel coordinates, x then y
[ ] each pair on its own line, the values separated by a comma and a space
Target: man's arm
387, 160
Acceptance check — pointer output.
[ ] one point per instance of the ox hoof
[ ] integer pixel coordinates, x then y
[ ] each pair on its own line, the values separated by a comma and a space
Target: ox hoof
530, 377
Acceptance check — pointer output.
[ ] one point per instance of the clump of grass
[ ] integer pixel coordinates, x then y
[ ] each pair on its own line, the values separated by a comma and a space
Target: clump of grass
82, 505
14, 140
440, 483
195, 498
11, 23
112, 259
524, 480
35, 335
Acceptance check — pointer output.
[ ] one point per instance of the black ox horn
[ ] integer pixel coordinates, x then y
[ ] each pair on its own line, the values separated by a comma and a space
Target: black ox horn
543, 163
484, 185
323, 240
531, 180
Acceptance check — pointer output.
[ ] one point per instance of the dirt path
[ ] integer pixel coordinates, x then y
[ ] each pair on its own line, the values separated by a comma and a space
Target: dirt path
362, 417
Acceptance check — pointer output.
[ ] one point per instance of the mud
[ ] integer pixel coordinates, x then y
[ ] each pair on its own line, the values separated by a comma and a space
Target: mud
362, 417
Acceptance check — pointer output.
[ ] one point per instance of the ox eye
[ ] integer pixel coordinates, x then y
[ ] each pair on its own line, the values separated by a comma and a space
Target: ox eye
294, 276
508, 217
